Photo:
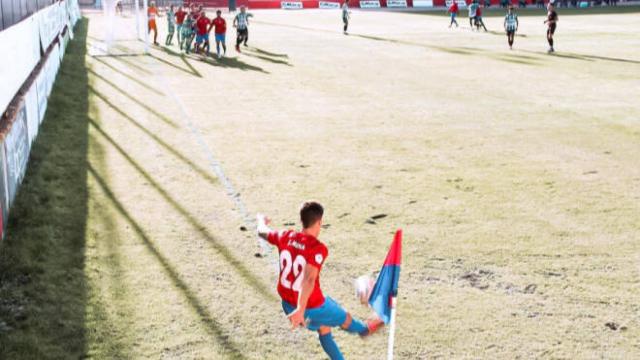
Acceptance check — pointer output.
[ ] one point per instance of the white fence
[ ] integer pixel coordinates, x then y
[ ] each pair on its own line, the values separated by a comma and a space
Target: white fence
30, 55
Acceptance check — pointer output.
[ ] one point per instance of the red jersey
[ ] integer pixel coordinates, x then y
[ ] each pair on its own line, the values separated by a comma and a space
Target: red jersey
479, 11
453, 8
296, 250
203, 25
180, 15
220, 25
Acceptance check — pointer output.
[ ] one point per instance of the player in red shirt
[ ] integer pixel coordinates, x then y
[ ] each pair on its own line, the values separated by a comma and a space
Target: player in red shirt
202, 32
301, 258
220, 26
453, 10
180, 15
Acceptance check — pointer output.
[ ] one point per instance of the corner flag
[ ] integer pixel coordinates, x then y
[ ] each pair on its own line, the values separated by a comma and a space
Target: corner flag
383, 295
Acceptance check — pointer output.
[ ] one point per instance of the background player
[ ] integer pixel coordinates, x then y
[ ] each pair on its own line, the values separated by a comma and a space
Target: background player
511, 25
241, 22
203, 26
453, 11
220, 26
301, 258
180, 15
473, 6
152, 13
552, 19
171, 22
346, 14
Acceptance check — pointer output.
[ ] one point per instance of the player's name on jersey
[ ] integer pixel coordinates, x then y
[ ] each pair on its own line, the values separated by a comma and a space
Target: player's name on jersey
291, 5
369, 4
397, 3
328, 5
296, 245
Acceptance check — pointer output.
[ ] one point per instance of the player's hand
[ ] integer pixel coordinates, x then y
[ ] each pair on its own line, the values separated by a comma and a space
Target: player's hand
263, 219
297, 319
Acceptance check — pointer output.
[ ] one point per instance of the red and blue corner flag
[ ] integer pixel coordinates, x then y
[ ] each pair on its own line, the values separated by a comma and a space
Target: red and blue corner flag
382, 298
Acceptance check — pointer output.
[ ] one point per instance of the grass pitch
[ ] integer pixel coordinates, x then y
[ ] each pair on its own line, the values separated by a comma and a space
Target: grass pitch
514, 175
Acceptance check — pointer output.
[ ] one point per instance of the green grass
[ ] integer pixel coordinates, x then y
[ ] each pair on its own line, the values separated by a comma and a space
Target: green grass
42, 282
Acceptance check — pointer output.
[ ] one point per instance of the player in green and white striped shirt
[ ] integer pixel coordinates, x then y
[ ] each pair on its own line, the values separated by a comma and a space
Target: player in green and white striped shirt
511, 25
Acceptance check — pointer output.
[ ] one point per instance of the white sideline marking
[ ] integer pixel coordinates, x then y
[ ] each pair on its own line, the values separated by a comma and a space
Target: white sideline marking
217, 169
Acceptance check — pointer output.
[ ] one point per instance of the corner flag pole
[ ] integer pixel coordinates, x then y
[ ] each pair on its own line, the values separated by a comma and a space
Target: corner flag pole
392, 329
385, 291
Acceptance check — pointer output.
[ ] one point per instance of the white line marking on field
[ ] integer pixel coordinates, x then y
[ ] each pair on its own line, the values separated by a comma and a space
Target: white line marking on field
217, 169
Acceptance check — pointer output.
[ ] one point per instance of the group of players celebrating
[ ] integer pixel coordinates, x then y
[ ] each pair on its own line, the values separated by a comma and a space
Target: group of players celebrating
191, 23
510, 20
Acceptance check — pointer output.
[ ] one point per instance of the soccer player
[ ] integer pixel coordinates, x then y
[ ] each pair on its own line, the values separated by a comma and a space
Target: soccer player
241, 22
172, 26
202, 32
511, 25
453, 10
152, 13
220, 32
479, 21
301, 258
552, 19
187, 34
180, 15
346, 14
473, 7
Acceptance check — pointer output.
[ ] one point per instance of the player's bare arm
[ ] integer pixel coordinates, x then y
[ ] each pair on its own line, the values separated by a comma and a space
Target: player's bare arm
310, 274
263, 228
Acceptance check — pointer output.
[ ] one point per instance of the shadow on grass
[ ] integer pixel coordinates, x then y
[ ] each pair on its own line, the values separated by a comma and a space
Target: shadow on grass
202, 172
43, 288
242, 270
225, 62
128, 76
212, 326
134, 99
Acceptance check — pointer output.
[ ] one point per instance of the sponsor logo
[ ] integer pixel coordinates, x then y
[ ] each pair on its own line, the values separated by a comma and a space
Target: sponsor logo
291, 5
397, 3
368, 4
461, 3
328, 5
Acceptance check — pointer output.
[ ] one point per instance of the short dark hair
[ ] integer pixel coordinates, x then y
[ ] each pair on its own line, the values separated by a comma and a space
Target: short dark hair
310, 213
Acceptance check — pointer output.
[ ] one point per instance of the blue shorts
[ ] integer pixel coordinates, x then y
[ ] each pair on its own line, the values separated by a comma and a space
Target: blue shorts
220, 37
329, 314
201, 38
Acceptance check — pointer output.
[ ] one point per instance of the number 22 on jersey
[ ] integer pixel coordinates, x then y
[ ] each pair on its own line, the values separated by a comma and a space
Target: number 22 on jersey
289, 265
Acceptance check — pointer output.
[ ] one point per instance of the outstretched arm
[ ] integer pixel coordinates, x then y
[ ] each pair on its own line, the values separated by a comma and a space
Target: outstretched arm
263, 228
310, 274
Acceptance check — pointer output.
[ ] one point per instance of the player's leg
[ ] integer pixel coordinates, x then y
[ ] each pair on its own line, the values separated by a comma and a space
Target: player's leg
331, 314
224, 43
329, 344
206, 43
246, 36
